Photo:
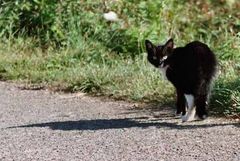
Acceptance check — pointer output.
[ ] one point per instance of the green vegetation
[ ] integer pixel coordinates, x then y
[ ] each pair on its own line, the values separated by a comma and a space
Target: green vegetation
69, 46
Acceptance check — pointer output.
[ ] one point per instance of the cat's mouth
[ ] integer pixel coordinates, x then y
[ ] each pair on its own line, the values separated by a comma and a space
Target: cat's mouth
161, 62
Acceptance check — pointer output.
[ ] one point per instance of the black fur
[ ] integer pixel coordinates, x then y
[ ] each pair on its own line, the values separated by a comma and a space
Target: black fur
190, 69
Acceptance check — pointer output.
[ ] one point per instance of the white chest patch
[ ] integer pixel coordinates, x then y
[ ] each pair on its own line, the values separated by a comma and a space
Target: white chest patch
164, 70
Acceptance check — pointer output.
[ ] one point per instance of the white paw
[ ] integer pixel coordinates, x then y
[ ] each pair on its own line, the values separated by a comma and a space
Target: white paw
188, 117
185, 118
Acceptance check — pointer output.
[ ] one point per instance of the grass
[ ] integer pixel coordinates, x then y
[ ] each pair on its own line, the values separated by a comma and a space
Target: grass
75, 49
120, 78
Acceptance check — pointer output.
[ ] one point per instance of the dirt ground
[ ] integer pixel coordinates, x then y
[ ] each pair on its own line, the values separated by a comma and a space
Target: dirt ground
41, 125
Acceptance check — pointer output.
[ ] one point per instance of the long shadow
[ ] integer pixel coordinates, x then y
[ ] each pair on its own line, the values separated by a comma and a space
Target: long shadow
103, 124
98, 124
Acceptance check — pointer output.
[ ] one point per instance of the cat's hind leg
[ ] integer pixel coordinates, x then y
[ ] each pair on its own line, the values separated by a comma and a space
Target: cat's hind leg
189, 116
201, 106
180, 104
201, 99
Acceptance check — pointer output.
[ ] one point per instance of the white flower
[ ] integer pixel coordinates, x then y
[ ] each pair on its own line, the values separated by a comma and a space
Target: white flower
110, 16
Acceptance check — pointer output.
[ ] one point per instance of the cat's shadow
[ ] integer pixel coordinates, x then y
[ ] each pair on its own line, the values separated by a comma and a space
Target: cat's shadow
163, 120
103, 124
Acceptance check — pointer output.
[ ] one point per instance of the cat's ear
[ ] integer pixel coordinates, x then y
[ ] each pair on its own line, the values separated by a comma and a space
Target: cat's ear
149, 46
168, 47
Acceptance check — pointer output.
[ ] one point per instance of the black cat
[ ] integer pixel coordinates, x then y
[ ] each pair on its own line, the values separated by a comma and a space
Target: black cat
190, 69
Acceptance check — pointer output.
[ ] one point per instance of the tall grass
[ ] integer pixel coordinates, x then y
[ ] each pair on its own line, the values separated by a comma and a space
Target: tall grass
68, 45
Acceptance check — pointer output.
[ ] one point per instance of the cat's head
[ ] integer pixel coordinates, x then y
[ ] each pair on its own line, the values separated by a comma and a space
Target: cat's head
157, 54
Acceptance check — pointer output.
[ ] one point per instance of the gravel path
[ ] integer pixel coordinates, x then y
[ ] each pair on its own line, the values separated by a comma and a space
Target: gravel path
39, 125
